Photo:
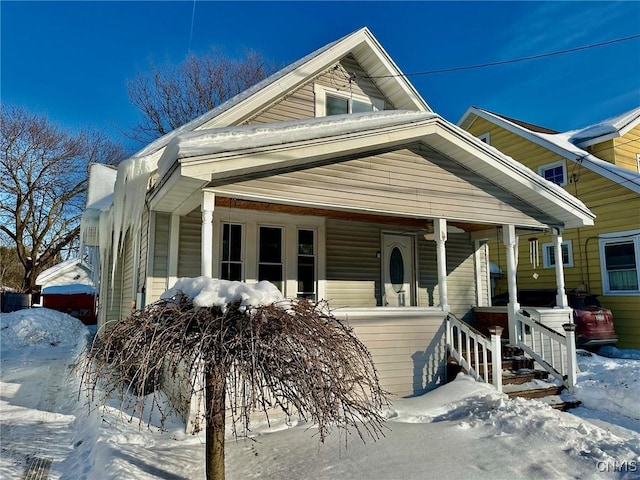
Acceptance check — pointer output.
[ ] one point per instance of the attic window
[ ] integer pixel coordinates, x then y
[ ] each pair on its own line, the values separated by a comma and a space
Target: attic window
330, 101
554, 172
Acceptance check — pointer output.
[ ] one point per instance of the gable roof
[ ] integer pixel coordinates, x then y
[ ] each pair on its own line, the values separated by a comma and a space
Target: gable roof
361, 44
194, 160
560, 143
61, 269
605, 130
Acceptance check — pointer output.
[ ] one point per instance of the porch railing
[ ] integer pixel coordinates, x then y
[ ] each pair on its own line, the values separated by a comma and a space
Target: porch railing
553, 351
480, 356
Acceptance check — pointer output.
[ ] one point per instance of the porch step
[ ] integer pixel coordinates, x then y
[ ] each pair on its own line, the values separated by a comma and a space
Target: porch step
525, 375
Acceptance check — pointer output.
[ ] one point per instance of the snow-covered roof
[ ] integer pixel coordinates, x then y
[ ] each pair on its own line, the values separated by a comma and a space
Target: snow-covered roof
71, 289
60, 269
361, 43
561, 144
207, 142
605, 130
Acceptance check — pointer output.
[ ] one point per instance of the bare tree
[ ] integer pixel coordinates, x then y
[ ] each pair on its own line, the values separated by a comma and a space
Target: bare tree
298, 358
171, 96
43, 179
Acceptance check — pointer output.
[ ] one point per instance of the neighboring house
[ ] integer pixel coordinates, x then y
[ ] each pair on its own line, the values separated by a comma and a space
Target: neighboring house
598, 165
334, 180
68, 287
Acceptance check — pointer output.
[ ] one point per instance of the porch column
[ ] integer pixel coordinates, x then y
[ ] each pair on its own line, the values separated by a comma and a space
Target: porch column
561, 296
510, 242
440, 236
174, 248
206, 248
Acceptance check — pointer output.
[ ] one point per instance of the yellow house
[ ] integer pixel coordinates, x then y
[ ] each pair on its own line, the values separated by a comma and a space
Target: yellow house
599, 165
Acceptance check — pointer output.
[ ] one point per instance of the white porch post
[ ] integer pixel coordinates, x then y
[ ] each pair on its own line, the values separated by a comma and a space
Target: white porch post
440, 236
174, 247
206, 250
561, 296
510, 242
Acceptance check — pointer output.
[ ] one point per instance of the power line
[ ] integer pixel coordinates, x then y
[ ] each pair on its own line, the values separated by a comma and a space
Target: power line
515, 60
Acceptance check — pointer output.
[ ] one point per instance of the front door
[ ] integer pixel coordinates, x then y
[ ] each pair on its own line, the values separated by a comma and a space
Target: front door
398, 270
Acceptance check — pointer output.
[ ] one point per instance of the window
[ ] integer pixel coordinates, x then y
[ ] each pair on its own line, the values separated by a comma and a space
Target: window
231, 264
288, 250
337, 102
270, 265
638, 161
486, 138
549, 254
620, 262
554, 172
307, 264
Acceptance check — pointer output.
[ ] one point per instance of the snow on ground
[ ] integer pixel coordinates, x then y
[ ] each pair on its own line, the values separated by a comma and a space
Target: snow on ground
462, 430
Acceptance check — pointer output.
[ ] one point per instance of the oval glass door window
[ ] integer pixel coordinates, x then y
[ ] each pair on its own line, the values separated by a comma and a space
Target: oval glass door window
396, 269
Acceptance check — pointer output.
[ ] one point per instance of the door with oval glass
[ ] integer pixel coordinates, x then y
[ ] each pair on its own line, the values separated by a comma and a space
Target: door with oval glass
398, 270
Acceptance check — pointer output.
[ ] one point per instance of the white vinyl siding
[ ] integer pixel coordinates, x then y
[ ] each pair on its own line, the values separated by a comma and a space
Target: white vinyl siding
158, 283
190, 249
401, 181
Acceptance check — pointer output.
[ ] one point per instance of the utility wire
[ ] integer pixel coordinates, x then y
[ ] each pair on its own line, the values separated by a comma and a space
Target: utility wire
515, 60
193, 16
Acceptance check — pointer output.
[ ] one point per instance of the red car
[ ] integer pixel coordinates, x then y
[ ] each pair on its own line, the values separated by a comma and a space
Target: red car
594, 323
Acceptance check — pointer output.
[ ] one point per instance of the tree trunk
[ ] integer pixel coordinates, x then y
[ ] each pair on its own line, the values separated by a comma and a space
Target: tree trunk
215, 414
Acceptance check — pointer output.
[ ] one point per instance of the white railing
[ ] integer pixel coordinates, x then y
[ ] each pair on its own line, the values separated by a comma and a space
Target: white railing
553, 351
480, 356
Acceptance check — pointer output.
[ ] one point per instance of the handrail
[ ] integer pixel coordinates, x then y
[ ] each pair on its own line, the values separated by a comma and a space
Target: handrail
463, 341
554, 352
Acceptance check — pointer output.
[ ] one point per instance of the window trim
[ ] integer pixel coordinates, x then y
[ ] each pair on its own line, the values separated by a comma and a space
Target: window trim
546, 258
549, 166
290, 224
638, 162
632, 236
321, 92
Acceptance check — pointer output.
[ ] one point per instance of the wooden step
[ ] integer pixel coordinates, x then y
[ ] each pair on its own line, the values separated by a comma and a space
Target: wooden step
518, 377
532, 392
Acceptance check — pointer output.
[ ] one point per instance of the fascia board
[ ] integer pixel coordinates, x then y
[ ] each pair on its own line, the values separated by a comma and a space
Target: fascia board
252, 161
534, 185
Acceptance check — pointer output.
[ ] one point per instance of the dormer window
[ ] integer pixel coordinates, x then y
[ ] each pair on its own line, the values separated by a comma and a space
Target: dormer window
331, 101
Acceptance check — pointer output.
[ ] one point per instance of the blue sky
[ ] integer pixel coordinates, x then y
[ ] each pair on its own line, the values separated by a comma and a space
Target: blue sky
71, 60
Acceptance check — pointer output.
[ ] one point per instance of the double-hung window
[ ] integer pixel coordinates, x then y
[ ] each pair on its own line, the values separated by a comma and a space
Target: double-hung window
549, 254
620, 262
270, 256
307, 264
231, 264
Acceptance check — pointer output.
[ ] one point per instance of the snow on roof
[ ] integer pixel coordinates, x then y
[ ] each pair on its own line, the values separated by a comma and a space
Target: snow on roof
203, 142
60, 268
206, 117
72, 289
560, 143
605, 130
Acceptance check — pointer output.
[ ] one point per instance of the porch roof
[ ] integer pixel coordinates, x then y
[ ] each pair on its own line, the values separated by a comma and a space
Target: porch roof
194, 160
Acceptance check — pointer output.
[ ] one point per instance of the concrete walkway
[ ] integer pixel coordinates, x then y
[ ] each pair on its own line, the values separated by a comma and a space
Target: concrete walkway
36, 415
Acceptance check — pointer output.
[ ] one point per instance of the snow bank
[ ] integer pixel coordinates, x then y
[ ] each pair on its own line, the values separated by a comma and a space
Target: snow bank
40, 328
207, 292
610, 384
